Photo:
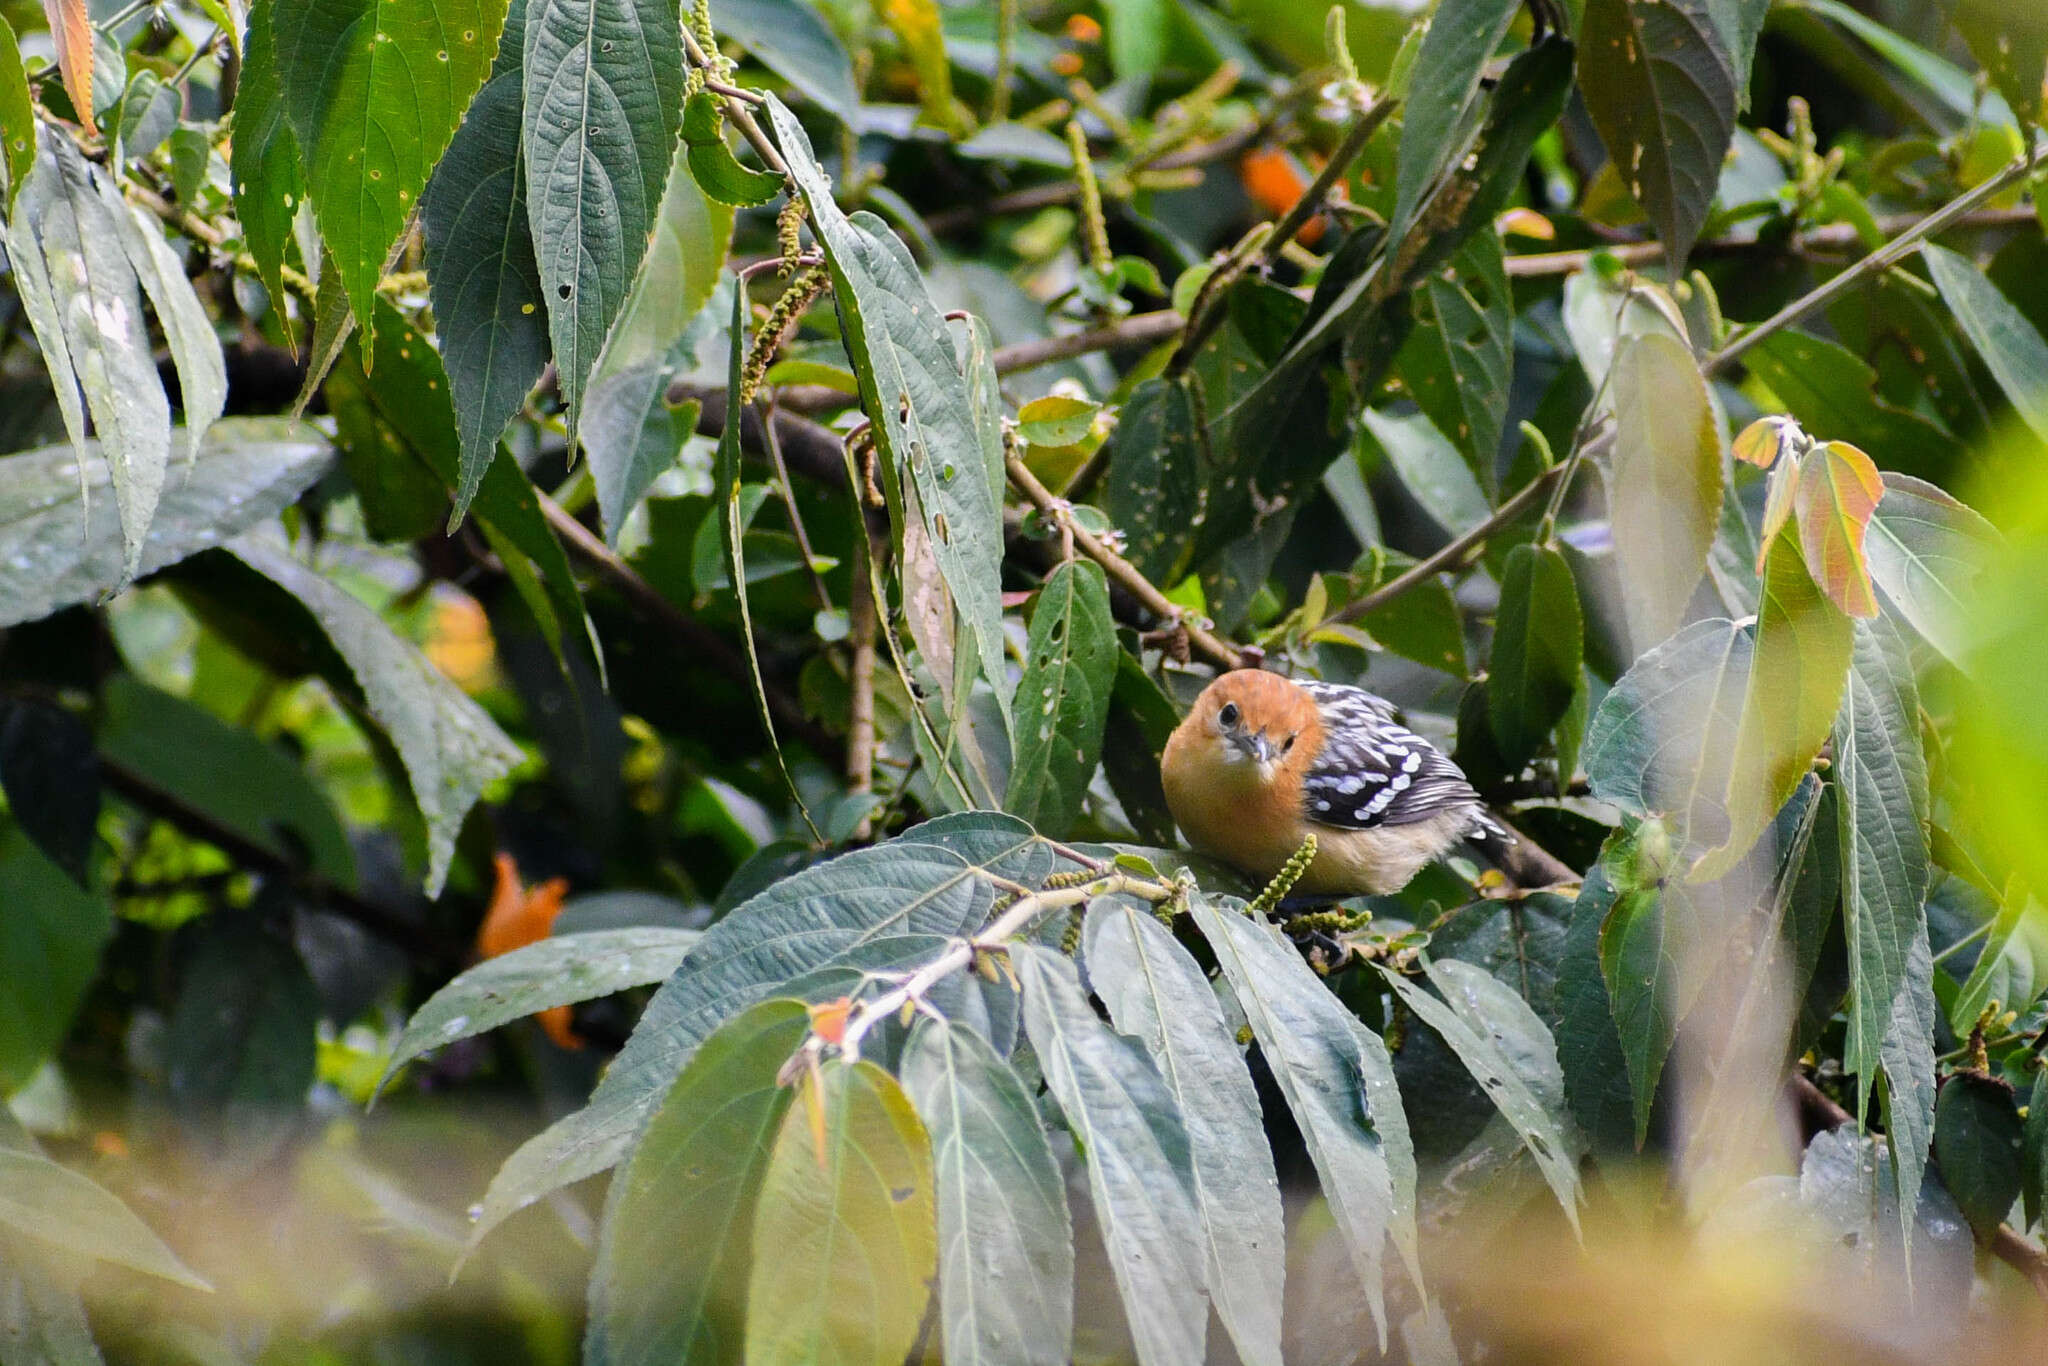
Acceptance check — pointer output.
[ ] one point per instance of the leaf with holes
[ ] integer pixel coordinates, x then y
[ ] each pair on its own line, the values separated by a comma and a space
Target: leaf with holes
1838, 490
270, 182
1662, 92
374, 90
17, 117
1153, 487
604, 98
1062, 700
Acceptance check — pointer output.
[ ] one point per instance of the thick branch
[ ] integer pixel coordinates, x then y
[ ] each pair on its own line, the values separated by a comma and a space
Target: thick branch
1140, 329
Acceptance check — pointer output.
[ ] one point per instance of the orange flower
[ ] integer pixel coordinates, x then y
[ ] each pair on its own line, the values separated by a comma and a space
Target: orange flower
521, 915
1276, 183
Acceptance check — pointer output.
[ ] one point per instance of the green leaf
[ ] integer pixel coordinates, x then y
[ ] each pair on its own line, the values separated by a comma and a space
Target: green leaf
1062, 700
1153, 487
716, 170
50, 942
1881, 779
848, 1213
1739, 23
42, 1317
791, 40
1659, 742
61, 1209
489, 312
2034, 1151
1511, 1054
1907, 1055
604, 98
1438, 120
1992, 975
916, 24
1159, 995
1665, 496
925, 418
238, 779
96, 300
1457, 360
1339, 1086
2011, 348
17, 117
881, 906
1662, 93
1829, 390
656, 1298
51, 778
1596, 1073
629, 431
239, 1049
188, 331
1926, 551
1538, 641
1796, 676
374, 90
55, 553
554, 972
451, 748
264, 164
1006, 1253
1978, 1139
1056, 420
1138, 1163
2011, 43
1648, 941
1429, 466
147, 114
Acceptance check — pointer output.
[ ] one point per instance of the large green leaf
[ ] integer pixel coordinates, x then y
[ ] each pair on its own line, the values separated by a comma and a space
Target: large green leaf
1664, 498
913, 390
628, 432
1650, 932
1740, 23
554, 972
1429, 467
1153, 487
1062, 700
1457, 361
2011, 43
1907, 1056
451, 748
270, 182
657, 1299
1339, 1086
188, 331
881, 907
50, 941
1443, 85
1006, 1252
1659, 742
232, 774
1596, 1073
1978, 1139
1159, 995
1926, 550
1538, 641
61, 1209
1803, 644
604, 100
2034, 1151
70, 232
489, 312
56, 551
2009, 344
239, 1049
1510, 1052
1138, 1162
1662, 92
1829, 389
1881, 780
17, 117
374, 90
50, 776
846, 1207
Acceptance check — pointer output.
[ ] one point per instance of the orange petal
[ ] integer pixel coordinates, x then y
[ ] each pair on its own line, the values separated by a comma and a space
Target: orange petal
556, 1020
828, 1021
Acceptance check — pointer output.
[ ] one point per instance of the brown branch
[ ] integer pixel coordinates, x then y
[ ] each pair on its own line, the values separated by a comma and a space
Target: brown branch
860, 707
692, 634
1140, 329
1067, 191
1212, 647
1831, 237
1818, 1112
416, 939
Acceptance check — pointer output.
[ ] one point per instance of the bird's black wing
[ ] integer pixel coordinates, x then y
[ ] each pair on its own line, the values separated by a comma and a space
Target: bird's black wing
1372, 770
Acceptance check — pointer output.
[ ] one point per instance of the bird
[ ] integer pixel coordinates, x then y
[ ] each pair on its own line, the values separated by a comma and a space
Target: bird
1261, 761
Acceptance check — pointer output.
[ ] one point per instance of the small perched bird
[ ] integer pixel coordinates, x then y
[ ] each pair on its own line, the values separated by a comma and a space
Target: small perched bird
1263, 760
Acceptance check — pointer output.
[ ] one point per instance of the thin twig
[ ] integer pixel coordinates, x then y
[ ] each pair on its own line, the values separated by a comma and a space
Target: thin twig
860, 707
1334, 170
1140, 329
1214, 648
736, 101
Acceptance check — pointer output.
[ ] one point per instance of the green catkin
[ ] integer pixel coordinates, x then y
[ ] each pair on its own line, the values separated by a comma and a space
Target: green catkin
1070, 941
803, 291
789, 226
1289, 874
1091, 198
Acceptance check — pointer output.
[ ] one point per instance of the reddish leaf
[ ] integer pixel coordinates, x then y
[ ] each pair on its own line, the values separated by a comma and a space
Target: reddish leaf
1838, 491
71, 28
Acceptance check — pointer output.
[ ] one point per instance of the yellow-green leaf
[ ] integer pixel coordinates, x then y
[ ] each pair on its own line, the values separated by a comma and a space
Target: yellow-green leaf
1803, 644
1665, 496
846, 1234
1837, 493
916, 24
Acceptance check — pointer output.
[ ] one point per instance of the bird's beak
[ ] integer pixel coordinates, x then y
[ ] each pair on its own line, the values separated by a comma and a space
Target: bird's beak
1255, 746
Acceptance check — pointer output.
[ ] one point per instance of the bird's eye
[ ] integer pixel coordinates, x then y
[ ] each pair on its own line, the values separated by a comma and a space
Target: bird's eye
1228, 716
1288, 745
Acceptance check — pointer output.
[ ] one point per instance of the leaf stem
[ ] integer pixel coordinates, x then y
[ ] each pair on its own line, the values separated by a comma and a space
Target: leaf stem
736, 102
1972, 937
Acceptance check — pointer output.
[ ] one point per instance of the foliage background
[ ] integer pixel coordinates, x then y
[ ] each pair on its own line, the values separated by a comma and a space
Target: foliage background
399, 641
